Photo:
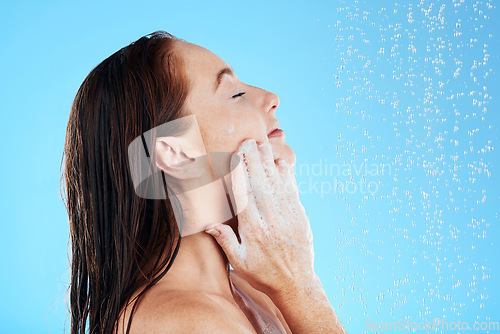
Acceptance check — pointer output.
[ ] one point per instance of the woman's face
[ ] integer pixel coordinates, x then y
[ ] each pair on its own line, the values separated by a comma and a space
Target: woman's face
232, 111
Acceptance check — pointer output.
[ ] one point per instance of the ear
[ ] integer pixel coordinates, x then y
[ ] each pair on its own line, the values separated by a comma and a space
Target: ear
171, 158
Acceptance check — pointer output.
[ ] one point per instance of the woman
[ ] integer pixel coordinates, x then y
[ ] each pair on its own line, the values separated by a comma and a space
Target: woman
131, 270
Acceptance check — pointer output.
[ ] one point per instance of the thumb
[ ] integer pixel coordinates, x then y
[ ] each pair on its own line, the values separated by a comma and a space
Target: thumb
225, 237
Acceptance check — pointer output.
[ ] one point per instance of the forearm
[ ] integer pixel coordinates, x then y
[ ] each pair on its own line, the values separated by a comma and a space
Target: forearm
306, 309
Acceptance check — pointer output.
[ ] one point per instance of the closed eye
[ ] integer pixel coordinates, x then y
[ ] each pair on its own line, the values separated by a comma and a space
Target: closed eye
238, 95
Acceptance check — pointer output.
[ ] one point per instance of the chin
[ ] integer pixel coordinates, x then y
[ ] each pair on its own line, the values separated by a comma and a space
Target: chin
283, 151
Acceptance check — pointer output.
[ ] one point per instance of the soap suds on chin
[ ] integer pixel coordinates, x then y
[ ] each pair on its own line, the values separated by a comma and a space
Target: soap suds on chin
230, 129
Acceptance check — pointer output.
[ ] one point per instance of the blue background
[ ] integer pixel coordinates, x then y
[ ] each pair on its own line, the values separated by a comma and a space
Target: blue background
390, 107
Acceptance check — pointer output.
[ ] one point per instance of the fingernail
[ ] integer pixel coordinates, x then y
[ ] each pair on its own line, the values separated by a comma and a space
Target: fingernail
281, 161
213, 232
260, 144
251, 141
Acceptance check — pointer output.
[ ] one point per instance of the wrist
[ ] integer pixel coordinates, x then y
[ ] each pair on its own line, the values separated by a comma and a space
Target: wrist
299, 288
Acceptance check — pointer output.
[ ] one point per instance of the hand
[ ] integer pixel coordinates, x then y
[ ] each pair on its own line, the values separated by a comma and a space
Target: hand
276, 250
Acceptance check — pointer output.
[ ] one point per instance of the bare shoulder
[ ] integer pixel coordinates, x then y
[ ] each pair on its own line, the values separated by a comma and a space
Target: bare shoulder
179, 312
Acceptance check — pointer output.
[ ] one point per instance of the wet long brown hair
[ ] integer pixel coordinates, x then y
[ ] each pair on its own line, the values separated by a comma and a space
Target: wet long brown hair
119, 241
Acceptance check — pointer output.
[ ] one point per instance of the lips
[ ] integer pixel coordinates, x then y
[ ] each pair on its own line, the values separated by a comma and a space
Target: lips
276, 133
275, 127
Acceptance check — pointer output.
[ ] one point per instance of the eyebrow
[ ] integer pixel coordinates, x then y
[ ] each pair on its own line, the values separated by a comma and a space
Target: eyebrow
225, 70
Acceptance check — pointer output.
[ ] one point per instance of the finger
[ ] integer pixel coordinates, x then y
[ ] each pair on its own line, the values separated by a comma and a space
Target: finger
266, 151
273, 177
258, 180
289, 185
268, 163
225, 237
249, 216
281, 191
286, 173
292, 175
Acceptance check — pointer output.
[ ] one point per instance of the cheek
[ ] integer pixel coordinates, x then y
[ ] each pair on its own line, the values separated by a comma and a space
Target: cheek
235, 130
225, 130
229, 128
224, 137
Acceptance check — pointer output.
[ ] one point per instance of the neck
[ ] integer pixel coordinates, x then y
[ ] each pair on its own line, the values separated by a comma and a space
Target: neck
201, 264
202, 207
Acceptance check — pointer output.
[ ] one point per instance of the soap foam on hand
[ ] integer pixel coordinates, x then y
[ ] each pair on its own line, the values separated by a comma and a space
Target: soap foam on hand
270, 237
260, 181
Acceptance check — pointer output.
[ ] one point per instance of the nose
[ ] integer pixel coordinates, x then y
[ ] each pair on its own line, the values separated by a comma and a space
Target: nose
271, 101
274, 102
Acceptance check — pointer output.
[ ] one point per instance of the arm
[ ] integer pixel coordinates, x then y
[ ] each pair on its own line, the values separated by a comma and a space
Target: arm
307, 310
